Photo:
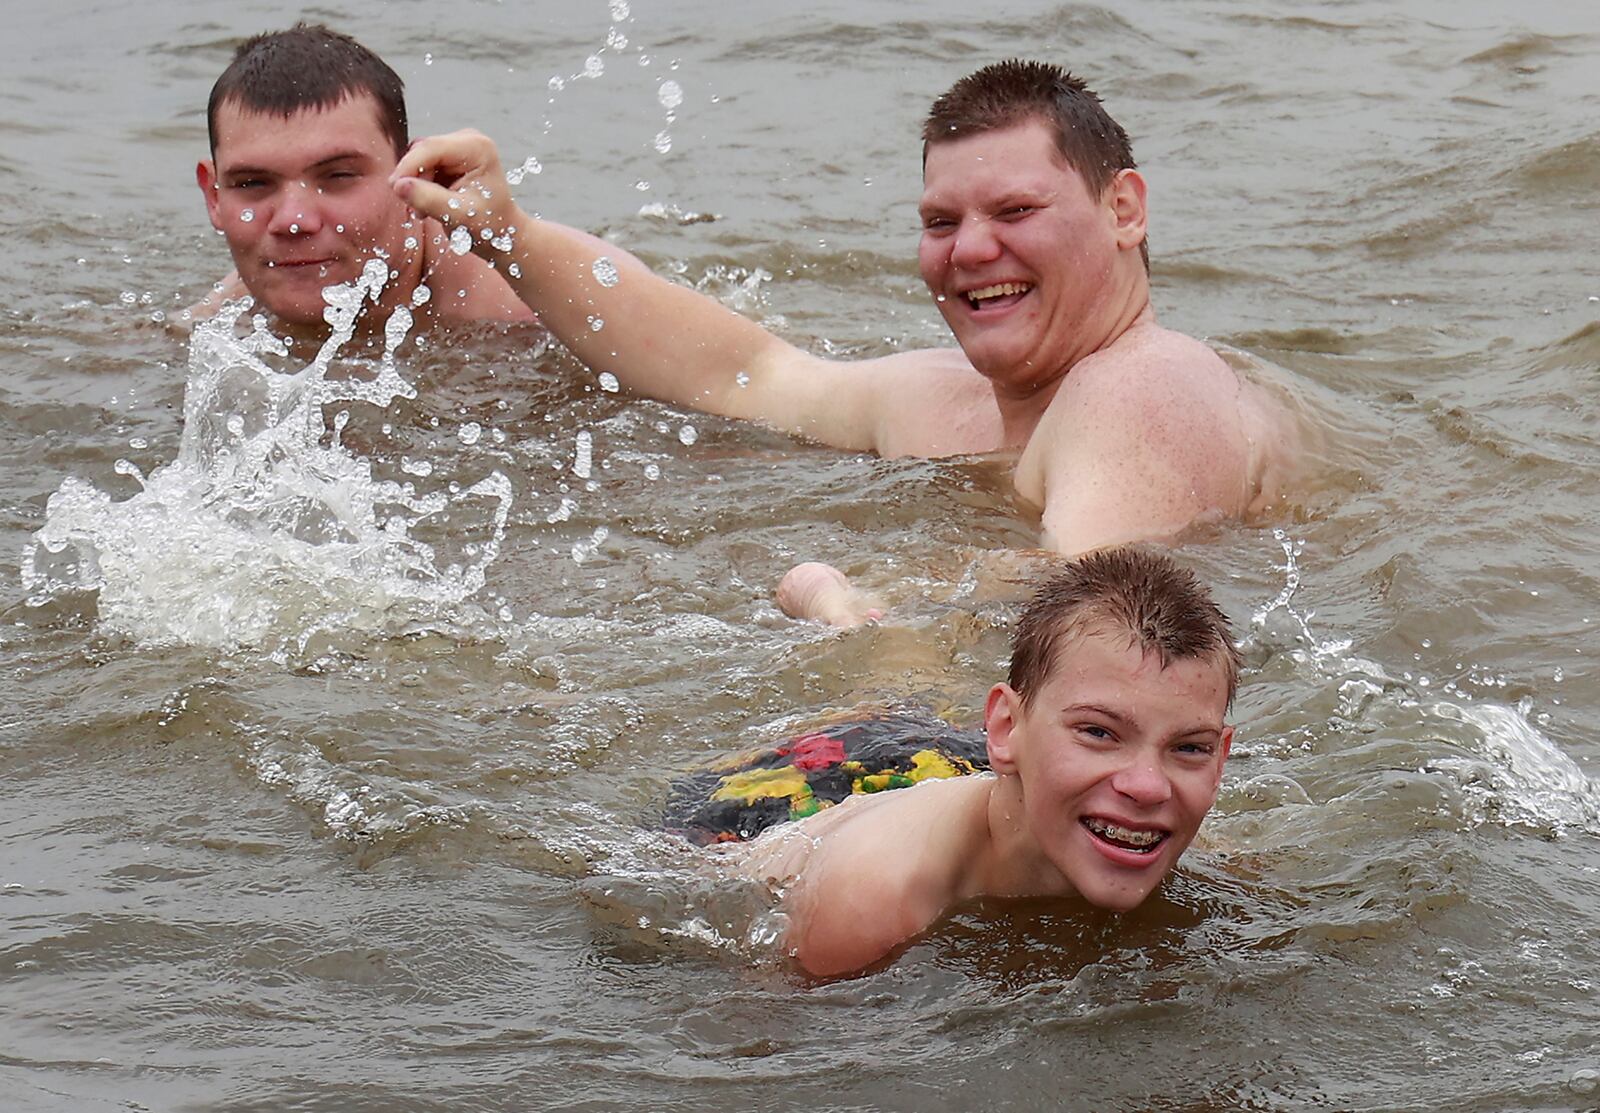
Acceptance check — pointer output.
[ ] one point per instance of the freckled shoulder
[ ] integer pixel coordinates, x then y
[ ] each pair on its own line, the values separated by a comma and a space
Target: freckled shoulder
1147, 434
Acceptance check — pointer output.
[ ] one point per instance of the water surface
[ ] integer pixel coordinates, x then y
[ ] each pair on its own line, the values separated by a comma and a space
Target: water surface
289, 834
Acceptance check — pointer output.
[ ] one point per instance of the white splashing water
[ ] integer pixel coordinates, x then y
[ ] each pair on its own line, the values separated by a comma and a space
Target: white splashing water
1512, 772
266, 532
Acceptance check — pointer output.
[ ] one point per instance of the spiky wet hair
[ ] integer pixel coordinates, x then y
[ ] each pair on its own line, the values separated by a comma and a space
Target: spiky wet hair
1163, 608
1014, 91
309, 66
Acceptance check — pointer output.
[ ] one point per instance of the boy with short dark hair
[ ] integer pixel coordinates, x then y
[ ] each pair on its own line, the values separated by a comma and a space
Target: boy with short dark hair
306, 126
1106, 743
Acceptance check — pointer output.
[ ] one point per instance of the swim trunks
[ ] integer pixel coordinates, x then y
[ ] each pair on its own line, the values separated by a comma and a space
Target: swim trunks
739, 798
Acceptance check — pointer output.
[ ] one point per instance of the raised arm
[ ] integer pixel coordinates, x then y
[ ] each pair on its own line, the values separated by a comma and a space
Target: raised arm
614, 314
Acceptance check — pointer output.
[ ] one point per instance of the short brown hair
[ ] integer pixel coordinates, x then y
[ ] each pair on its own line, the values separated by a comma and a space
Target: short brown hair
308, 66
1164, 608
1012, 92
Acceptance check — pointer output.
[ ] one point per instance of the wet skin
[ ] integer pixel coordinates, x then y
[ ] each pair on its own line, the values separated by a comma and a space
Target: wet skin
1111, 739
304, 202
1003, 213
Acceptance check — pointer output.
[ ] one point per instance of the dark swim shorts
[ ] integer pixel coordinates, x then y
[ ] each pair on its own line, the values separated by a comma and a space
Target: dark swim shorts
739, 798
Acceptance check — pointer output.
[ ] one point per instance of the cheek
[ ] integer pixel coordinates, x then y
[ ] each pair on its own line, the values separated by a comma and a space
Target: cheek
930, 259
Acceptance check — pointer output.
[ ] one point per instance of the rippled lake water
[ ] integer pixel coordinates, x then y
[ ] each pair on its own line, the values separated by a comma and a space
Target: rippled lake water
297, 823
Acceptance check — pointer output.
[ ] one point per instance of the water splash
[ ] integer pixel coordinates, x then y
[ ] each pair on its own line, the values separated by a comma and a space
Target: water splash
1507, 770
266, 532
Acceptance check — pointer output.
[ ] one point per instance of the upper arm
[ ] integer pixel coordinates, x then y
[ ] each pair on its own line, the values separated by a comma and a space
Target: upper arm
1134, 457
846, 404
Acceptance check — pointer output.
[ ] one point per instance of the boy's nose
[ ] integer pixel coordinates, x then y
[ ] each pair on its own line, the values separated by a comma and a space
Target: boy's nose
1144, 783
975, 244
297, 212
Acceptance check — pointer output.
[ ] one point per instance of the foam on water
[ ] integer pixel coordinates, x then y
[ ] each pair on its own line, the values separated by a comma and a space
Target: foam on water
1507, 770
266, 530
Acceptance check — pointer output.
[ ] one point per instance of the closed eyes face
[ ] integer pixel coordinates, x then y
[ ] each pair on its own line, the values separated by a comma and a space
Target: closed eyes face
303, 201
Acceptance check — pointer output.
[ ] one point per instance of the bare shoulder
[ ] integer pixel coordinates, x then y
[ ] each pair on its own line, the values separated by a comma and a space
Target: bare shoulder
931, 402
228, 289
464, 287
868, 875
1148, 435
1150, 366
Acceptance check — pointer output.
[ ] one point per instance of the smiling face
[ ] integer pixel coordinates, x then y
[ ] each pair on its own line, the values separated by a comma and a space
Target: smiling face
305, 201
1027, 266
1117, 761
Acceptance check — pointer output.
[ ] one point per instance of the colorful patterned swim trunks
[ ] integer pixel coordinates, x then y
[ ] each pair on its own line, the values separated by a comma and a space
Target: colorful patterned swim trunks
739, 798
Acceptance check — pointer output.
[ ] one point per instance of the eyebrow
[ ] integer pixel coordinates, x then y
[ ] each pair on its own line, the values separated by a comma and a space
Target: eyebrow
1123, 720
342, 156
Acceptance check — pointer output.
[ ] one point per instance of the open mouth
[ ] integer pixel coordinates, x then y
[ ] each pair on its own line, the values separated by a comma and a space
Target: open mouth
997, 296
1125, 838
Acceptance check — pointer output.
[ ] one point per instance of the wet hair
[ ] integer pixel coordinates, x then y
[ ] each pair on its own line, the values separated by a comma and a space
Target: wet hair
1163, 608
309, 66
1008, 93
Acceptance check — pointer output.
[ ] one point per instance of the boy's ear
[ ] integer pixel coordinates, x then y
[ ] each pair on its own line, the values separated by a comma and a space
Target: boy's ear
205, 176
1002, 715
1126, 195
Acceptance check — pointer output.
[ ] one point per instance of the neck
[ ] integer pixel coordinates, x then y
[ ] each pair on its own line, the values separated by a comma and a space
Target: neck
1012, 865
1022, 403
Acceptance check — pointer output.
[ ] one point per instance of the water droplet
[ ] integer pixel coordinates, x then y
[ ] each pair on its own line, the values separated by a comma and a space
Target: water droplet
423, 468
652, 471
596, 324
616, 40
663, 142
619, 10
338, 228
128, 297
427, 59
421, 295
138, 442
583, 458
460, 240
557, 84
641, 185
605, 272
742, 378
670, 94
513, 270
247, 216
470, 433
294, 228
609, 383
593, 66
687, 434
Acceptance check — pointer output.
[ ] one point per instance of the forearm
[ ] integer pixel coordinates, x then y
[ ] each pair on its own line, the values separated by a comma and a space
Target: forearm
616, 315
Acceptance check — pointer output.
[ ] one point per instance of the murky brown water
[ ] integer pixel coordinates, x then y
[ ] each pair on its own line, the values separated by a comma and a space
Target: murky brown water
410, 864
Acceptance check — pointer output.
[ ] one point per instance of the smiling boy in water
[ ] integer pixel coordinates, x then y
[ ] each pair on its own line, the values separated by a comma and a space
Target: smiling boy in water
1106, 742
